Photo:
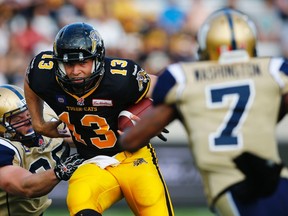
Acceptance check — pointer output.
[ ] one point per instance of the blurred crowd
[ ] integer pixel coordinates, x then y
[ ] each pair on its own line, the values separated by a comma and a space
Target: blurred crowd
154, 33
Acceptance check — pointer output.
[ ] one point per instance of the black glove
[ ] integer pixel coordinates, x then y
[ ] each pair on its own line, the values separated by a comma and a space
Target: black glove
161, 136
66, 151
65, 168
262, 175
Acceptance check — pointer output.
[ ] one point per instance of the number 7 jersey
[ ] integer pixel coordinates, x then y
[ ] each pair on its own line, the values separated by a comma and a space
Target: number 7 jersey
226, 109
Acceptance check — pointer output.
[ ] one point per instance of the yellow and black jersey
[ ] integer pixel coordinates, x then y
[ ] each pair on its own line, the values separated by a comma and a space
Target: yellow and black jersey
227, 109
92, 118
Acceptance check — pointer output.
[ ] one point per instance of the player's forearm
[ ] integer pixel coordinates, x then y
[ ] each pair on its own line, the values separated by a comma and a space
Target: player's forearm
35, 105
138, 136
132, 141
149, 126
39, 184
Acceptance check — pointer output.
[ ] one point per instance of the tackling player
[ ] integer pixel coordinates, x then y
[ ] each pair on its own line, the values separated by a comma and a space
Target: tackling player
229, 104
88, 91
30, 164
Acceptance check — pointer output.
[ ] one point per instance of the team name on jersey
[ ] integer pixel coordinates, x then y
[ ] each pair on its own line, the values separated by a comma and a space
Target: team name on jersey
227, 71
80, 109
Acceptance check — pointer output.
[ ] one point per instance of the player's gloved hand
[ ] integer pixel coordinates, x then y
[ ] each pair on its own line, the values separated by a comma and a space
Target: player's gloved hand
161, 136
65, 168
262, 175
65, 151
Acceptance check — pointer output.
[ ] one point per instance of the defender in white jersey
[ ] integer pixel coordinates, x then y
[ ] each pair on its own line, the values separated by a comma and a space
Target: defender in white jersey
30, 165
230, 106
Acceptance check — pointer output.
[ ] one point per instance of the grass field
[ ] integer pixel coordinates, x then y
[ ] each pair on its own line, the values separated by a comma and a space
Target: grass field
179, 211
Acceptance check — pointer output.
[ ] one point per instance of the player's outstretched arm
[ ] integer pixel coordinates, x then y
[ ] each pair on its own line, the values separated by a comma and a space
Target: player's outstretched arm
19, 181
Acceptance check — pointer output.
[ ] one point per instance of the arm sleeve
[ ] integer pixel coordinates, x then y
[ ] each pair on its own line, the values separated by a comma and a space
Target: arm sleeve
172, 77
9, 154
279, 71
139, 81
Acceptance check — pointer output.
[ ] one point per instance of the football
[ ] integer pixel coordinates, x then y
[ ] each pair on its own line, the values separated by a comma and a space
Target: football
138, 109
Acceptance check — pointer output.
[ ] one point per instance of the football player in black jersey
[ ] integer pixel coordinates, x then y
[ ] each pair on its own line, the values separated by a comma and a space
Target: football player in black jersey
229, 105
87, 91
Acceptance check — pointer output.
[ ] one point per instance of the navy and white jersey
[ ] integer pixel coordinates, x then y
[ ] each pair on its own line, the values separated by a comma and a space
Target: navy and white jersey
34, 159
226, 109
92, 118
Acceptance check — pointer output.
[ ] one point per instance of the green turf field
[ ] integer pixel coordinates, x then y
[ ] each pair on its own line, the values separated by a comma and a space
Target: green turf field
179, 211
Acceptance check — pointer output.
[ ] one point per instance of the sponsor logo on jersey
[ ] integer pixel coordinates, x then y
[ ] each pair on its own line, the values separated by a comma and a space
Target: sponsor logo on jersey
139, 161
102, 102
61, 99
41, 142
40, 145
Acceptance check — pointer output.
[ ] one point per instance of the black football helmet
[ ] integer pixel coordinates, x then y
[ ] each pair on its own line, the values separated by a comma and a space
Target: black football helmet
12, 103
225, 30
77, 42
